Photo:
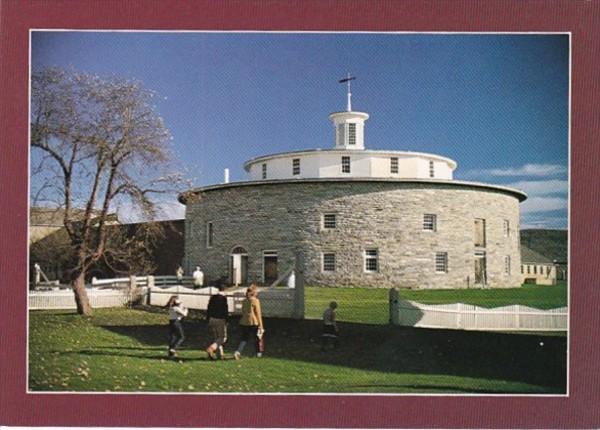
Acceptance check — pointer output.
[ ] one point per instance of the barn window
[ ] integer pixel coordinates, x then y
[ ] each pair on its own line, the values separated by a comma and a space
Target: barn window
296, 166
329, 221
345, 164
479, 232
506, 228
431, 169
351, 134
430, 222
209, 234
507, 264
328, 262
264, 171
371, 260
441, 262
394, 165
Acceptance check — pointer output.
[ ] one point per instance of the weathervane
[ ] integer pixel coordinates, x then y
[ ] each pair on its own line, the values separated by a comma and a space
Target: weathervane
347, 79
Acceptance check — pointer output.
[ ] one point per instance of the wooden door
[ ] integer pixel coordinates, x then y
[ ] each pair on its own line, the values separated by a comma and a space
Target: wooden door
480, 270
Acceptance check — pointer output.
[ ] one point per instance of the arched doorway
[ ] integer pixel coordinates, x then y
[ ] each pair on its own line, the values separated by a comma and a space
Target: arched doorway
238, 266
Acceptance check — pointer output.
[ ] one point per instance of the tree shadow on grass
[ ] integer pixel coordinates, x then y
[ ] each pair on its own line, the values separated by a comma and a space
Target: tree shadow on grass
117, 352
527, 358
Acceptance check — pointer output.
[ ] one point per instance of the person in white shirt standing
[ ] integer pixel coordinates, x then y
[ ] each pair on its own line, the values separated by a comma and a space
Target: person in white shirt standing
198, 277
176, 313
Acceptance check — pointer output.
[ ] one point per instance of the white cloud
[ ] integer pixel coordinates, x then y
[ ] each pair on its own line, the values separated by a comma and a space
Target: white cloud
543, 204
538, 220
170, 210
167, 210
537, 170
542, 188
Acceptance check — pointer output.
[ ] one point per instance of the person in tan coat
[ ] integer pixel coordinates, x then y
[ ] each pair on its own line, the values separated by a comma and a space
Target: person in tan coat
251, 324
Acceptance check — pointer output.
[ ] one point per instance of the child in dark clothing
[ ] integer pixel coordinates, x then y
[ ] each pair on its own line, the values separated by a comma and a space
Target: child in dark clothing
330, 328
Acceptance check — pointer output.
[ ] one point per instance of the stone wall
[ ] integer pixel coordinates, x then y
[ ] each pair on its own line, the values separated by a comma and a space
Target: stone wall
287, 217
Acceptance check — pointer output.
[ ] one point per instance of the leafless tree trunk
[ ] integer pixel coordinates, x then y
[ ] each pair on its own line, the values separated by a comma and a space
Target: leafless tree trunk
98, 143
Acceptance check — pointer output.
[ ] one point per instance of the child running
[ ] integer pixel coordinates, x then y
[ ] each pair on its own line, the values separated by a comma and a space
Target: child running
176, 313
330, 328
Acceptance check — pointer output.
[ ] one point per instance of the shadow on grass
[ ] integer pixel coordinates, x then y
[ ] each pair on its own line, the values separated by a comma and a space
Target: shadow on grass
116, 352
527, 358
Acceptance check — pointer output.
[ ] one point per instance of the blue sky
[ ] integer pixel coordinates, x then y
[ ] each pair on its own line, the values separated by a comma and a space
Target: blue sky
496, 104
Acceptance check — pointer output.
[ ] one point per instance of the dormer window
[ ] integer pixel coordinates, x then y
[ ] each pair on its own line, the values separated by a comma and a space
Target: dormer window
351, 134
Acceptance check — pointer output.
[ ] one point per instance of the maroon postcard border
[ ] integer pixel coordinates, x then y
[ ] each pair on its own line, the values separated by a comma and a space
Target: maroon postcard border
578, 410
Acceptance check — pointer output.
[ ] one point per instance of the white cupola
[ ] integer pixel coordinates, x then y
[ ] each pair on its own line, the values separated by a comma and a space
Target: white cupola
349, 125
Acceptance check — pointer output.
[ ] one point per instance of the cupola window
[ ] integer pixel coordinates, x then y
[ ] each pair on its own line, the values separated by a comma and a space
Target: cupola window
341, 131
351, 134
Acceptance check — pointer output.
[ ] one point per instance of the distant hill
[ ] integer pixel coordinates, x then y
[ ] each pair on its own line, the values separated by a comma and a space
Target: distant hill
552, 244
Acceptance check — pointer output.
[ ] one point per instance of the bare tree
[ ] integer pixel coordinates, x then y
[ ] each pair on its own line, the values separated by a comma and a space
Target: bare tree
99, 143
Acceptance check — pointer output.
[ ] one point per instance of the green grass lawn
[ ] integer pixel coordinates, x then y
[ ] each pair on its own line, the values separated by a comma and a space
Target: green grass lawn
369, 305
125, 350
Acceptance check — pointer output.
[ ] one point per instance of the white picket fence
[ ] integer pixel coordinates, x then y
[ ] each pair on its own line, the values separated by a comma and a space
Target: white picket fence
471, 317
64, 299
143, 281
275, 302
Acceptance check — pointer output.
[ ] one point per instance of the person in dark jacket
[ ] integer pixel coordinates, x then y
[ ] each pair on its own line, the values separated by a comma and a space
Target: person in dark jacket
217, 314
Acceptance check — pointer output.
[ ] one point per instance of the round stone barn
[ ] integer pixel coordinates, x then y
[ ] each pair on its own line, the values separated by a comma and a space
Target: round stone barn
355, 217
